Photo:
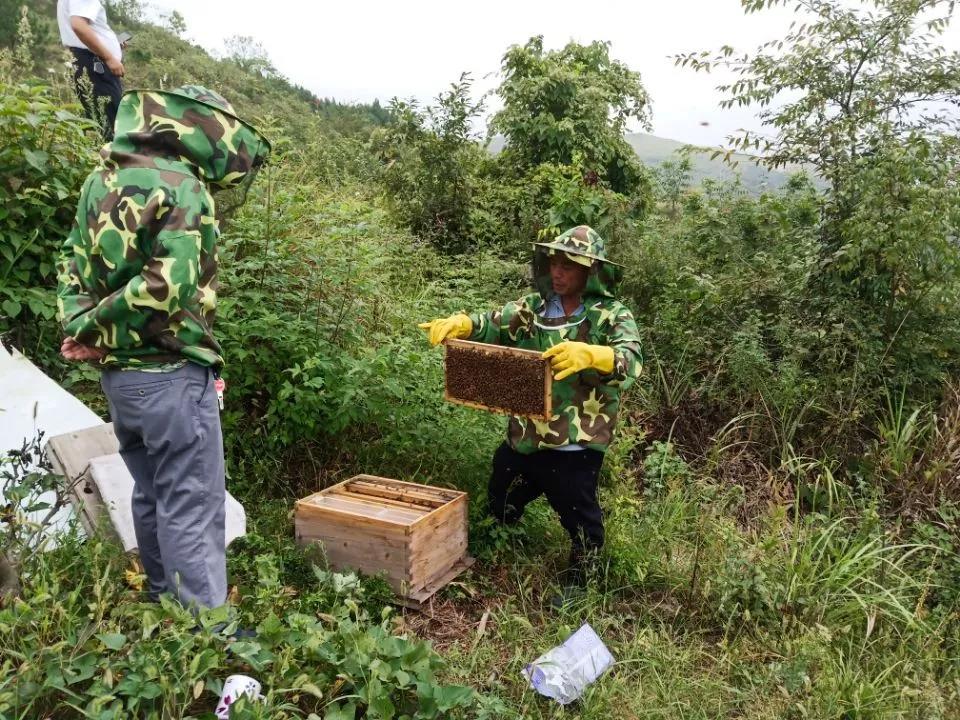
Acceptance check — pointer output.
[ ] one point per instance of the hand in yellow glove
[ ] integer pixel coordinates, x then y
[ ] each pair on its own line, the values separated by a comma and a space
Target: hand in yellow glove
456, 326
569, 357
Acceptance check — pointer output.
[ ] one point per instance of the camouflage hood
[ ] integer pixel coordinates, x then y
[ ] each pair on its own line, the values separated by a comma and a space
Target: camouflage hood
582, 245
190, 126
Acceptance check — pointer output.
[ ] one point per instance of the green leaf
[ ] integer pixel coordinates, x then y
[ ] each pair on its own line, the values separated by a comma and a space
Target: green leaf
452, 696
381, 707
403, 678
338, 712
114, 641
37, 158
11, 308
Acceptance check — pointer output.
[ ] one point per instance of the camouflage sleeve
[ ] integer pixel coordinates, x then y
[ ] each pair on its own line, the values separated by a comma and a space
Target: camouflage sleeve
167, 282
624, 338
121, 289
493, 327
486, 327
72, 298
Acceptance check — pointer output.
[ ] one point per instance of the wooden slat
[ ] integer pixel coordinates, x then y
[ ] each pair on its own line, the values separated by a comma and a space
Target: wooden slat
440, 512
440, 492
438, 542
418, 598
491, 349
344, 531
384, 490
381, 492
378, 510
368, 555
376, 500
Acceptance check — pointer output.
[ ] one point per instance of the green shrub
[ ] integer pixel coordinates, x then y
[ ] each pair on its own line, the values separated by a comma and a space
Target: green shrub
319, 652
45, 154
429, 163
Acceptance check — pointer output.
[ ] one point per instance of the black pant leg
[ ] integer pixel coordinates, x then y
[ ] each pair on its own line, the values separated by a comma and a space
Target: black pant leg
569, 481
99, 92
510, 488
108, 89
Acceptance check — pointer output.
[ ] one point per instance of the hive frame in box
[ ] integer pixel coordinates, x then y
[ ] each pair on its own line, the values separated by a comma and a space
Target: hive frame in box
503, 350
415, 534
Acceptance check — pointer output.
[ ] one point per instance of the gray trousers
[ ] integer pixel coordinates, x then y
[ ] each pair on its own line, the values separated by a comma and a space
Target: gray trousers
168, 425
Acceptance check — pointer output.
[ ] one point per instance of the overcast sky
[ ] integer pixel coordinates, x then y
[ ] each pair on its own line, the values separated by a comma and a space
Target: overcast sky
358, 50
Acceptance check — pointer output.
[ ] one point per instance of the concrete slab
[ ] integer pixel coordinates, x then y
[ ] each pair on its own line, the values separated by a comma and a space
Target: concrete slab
30, 402
115, 487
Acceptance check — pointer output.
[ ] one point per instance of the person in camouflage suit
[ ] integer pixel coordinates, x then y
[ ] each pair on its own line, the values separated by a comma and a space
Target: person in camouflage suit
137, 296
593, 344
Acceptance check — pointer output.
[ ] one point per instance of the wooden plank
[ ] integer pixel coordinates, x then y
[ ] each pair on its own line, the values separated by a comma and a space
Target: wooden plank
417, 599
377, 500
388, 512
367, 555
491, 349
364, 504
442, 493
437, 543
427, 558
418, 493
342, 532
421, 501
320, 511
410, 496
442, 511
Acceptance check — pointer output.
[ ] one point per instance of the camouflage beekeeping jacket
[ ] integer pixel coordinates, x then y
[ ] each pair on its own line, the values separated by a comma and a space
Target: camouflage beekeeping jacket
585, 405
138, 272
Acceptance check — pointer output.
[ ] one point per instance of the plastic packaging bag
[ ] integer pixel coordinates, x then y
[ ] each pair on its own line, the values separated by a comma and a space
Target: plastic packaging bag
564, 672
233, 688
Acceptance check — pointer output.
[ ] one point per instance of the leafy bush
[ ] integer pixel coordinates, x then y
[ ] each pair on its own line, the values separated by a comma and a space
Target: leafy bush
45, 153
317, 653
430, 160
571, 106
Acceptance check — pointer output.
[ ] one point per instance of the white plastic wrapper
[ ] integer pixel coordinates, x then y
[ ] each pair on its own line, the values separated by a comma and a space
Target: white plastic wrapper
233, 688
564, 672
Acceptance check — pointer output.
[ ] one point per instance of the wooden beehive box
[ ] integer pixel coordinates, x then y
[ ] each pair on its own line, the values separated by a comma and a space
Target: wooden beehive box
499, 379
415, 534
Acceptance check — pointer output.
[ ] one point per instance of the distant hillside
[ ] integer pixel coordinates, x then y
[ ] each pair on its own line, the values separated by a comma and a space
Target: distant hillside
160, 57
653, 150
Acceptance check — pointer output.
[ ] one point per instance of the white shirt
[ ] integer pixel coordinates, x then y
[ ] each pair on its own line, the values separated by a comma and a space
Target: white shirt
93, 11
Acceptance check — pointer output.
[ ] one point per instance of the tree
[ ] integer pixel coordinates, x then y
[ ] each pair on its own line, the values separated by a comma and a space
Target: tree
866, 97
176, 23
843, 80
429, 160
249, 54
673, 180
572, 105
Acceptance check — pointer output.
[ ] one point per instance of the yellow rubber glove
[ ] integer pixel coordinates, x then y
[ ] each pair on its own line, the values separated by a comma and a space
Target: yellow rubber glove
456, 326
569, 357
